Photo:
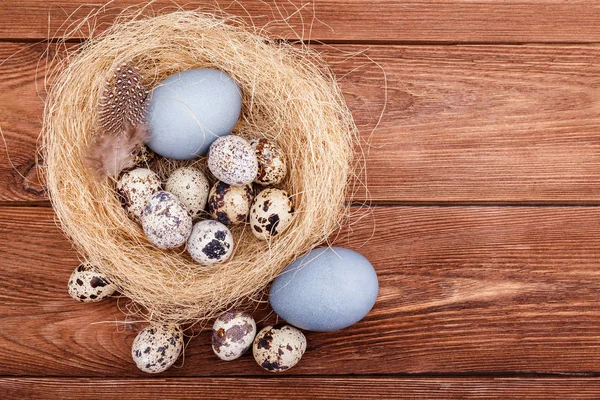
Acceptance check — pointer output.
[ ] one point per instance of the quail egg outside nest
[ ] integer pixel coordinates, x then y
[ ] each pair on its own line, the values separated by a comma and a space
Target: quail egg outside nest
278, 348
157, 347
88, 285
232, 334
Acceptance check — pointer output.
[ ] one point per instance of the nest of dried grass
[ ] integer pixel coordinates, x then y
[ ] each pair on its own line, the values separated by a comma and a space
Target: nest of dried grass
289, 95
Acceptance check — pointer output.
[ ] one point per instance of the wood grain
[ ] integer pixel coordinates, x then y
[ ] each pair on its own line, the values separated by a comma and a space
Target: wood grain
462, 290
462, 124
454, 21
301, 388
21, 113
469, 293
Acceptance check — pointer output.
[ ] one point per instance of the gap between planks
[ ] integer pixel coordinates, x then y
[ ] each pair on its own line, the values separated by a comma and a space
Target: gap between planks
353, 42
301, 388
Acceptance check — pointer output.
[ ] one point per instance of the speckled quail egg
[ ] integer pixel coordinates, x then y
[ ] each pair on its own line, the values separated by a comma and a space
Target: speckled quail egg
143, 156
166, 221
211, 242
278, 348
190, 186
271, 213
272, 163
232, 334
157, 347
228, 204
88, 285
232, 160
135, 188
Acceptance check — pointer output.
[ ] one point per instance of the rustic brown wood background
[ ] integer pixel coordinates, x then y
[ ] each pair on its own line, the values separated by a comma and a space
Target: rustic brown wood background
484, 223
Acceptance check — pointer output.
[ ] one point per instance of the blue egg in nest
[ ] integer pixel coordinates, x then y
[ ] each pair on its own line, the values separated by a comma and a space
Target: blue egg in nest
191, 109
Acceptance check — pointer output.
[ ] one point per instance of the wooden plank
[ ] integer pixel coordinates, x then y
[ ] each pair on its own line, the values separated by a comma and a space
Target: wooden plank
489, 21
462, 124
21, 113
462, 290
302, 388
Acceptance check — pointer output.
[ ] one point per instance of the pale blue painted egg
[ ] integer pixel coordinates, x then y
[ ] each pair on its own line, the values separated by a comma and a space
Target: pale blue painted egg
189, 110
325, 290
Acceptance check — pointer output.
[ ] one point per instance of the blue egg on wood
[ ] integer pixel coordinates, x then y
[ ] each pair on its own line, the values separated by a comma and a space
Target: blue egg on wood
325, 290
191, 109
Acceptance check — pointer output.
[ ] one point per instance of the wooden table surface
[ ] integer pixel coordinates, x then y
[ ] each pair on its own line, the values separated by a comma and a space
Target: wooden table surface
483, 224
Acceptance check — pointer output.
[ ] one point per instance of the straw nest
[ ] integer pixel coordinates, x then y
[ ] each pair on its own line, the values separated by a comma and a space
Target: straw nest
289, 95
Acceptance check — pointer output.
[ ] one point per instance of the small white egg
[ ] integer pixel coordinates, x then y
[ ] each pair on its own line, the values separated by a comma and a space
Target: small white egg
88, 285
232, 334
232, 160
157, 347
166, 221
271, 213
190, 186
211, 242
272, 163
135, 188
228, 204
278, 348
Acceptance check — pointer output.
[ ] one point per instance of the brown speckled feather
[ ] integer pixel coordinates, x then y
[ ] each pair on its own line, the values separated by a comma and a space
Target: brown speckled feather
123, 101
122, 131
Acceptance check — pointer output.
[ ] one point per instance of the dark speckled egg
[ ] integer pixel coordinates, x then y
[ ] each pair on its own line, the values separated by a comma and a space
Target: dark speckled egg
135, 188
228, 204
157, 347
232, 334
211, 242
272, 163
232, 160
271, 213
278, 348
166, 221
88, 285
